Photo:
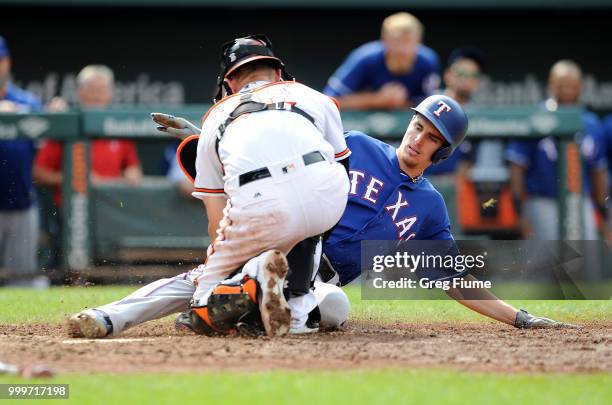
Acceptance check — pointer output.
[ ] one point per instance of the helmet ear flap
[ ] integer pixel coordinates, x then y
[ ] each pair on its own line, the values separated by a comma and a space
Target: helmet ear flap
441, 154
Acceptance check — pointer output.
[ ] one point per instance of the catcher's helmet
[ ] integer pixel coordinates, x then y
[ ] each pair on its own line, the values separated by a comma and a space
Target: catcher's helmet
240, 51
449, 118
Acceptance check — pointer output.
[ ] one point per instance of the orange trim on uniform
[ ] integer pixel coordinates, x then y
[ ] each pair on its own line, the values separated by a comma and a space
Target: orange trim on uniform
343, 153
184, 142
335, 100
250, 287
265, 86
209, 190
202, 312
227, 289
215, 106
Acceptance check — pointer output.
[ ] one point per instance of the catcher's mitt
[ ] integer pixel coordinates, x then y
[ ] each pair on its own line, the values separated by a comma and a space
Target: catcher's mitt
188, 132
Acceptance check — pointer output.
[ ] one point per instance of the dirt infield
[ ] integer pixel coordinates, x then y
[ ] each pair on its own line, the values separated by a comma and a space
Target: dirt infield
475, 347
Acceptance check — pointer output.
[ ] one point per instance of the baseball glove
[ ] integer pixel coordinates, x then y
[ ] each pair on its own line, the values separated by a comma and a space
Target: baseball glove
186, 131
175, 126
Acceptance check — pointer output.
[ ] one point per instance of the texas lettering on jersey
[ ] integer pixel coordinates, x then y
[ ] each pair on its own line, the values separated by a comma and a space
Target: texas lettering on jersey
402, 223
383, 204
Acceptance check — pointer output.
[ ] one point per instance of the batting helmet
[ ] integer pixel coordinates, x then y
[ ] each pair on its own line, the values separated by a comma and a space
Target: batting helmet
449, 118
240, 51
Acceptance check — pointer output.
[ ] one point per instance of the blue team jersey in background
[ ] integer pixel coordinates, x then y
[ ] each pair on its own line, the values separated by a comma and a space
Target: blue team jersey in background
383, 204
365, 70
17, 157
608, 140
539, 156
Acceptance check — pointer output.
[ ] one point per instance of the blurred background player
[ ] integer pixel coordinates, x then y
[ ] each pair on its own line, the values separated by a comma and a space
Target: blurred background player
605, 210
174, 174
18, 206
462, 78
395, 72
533, 174
111, 159
476, 170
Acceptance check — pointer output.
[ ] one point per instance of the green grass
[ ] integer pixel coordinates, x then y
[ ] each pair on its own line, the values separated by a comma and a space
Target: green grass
352, 387
55, 304
448, 310
295, 387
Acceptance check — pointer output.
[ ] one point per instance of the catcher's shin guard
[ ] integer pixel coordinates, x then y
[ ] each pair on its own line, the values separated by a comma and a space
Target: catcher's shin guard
301, 267
248, 307
229, 309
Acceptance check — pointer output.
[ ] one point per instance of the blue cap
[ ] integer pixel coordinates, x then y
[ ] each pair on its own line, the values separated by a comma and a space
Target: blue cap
449, 118
4, 51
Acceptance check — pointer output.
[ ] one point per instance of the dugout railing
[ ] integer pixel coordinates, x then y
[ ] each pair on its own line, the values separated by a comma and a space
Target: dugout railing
88, 231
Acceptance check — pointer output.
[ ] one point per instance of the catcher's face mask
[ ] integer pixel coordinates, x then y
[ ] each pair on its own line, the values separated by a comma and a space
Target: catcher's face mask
240, 51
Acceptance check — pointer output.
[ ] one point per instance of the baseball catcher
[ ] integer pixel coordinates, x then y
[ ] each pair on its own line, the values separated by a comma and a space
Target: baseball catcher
266, 167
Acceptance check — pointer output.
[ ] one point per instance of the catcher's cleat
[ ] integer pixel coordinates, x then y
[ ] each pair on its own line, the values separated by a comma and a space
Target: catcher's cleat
91, 324
275, 312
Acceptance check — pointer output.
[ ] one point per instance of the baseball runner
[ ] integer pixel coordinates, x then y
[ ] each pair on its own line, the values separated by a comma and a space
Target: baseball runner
266, 169
389, 199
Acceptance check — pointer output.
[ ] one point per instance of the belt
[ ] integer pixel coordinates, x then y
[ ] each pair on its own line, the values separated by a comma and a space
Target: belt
257, 174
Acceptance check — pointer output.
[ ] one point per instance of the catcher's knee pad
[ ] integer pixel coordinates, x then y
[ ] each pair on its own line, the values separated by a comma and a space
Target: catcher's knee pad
301, 266
229, 309
333, 303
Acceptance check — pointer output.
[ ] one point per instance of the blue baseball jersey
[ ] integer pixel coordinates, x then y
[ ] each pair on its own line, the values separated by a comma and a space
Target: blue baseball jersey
539, 157
16, 158
608, 148
365, 70
383, 204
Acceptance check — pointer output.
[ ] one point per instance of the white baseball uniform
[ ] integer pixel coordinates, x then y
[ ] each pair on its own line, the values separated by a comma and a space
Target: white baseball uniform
298, 199
295, 202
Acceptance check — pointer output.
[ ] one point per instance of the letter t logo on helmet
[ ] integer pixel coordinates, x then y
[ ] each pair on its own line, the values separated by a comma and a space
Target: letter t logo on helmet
443, 107
448, 117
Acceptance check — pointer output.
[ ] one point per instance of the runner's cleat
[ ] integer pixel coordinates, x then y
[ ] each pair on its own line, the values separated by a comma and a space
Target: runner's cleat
275, 312
91, 324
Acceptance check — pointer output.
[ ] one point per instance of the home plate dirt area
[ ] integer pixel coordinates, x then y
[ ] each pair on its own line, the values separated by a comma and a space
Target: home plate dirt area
158, 347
